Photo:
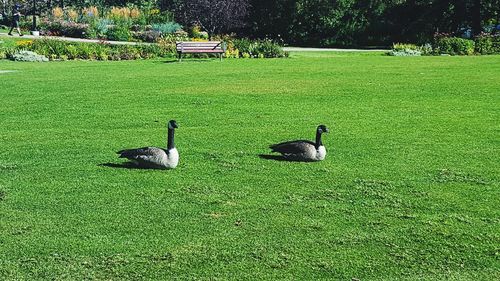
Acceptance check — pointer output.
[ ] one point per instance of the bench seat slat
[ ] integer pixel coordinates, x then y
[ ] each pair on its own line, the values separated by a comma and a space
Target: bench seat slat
212, 47
202, 51
199, 44
198, 47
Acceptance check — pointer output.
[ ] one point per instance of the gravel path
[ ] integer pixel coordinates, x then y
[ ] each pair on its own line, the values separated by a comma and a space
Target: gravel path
74, 39
299, 49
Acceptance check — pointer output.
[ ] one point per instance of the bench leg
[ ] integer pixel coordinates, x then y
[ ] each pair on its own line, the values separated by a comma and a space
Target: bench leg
220, 56
180, 57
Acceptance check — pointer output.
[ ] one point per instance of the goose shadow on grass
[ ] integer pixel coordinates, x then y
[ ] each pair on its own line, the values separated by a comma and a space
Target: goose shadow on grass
163, 61
187, 60
126, 165
274, 157
281, 158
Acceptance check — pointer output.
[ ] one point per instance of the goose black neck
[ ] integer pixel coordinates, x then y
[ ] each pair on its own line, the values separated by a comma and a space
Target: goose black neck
170, 143
318, 139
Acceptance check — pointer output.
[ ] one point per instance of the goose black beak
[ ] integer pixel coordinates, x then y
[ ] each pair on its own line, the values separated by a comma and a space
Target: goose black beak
173, 124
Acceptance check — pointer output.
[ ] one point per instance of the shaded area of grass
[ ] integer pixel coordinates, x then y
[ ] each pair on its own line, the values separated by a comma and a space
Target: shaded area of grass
409, 189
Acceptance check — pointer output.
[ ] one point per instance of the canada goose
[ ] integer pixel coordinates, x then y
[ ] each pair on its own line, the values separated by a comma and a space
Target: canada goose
303, 150
154, 157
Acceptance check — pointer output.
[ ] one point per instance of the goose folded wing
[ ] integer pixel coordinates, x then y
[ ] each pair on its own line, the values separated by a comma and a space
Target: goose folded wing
143, 153
292, 147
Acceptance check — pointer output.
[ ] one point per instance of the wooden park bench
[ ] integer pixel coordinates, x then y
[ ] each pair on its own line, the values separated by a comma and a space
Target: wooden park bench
211, 47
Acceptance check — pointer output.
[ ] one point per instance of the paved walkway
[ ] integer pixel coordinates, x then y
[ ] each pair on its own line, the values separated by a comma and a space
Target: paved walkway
72, 39
289, 49
300, 49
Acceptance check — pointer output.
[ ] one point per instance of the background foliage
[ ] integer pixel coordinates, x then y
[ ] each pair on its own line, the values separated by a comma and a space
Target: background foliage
314, 22
369, 22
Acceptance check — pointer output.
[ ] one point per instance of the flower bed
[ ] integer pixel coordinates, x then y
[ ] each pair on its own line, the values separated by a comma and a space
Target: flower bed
64, 50
117, 23
166, 47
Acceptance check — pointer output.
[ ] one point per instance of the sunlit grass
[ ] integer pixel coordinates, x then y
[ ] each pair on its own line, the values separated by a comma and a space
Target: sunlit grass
409, 189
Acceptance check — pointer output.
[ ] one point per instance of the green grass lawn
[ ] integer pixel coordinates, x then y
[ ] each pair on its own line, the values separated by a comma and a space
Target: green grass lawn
409, 189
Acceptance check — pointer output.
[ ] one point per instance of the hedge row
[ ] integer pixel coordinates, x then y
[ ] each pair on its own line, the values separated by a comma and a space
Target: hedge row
484, 44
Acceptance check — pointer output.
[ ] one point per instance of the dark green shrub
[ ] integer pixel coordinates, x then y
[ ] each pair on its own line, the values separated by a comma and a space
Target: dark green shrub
114, 54
167, 44
128, 52
269, 49
71, 52
26, 22
454, 46
258, 48
427, 49
244, 45
98, 28
86, 51
48, 47
7, 48
141, 20
155, 16
119, 32
487, 44
152, 51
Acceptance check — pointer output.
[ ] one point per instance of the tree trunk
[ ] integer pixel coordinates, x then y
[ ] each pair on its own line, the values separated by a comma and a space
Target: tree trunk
460, 15
476, 17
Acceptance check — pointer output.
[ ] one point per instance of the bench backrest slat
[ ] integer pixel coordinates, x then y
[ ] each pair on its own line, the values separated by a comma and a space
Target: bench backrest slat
200, 46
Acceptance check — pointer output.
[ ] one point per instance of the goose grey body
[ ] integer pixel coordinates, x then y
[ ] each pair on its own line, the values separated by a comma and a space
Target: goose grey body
155, 157
303, 150
152, 157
